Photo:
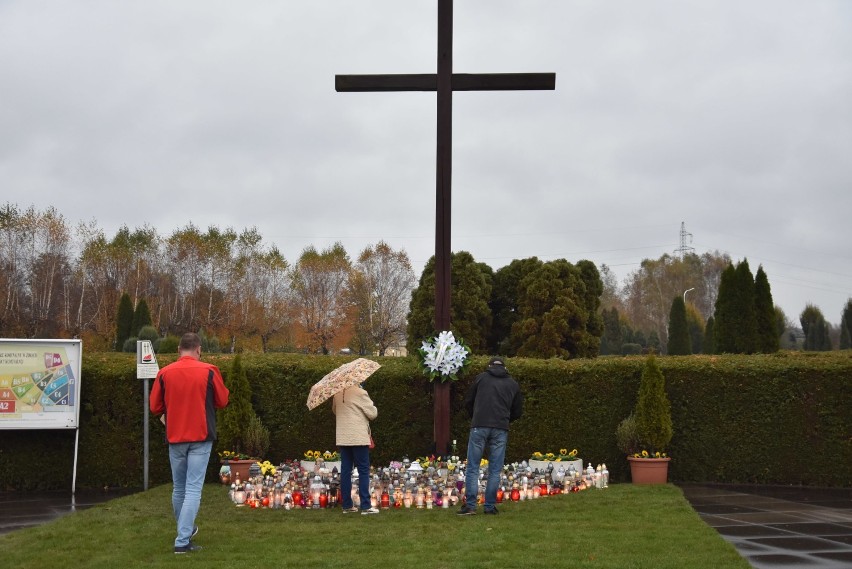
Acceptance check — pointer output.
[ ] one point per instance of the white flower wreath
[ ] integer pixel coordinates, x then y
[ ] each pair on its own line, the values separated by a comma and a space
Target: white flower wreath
444, 356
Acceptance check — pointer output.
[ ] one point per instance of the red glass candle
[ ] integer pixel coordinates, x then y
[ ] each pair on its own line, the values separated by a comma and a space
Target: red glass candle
499, 495
516, 494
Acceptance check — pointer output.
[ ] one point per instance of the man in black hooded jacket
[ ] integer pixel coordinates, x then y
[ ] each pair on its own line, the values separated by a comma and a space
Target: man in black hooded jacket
494, 401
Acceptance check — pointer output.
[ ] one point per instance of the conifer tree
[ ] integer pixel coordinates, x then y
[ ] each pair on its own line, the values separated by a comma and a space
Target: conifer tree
471, 316
695, 324
141, 317
653, 409
234, 419
746, 329
846, 326
654, 343
123, 322
710, 336
815, 328
611, 340
679, 343
725, 315
767, 330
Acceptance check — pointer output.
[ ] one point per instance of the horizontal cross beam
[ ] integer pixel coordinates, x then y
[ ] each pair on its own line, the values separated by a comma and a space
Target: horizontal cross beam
460, 82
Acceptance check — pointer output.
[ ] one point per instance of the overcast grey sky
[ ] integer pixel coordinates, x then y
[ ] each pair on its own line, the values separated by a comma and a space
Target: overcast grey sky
732, 116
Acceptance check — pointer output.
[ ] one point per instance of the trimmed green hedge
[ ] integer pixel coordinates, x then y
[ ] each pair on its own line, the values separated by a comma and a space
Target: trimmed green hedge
777, 419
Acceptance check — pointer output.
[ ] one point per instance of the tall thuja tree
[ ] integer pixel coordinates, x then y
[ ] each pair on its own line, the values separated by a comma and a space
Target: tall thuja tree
234, 419
765, 317
653, 409
141, 317
725, 315
654, 343
846, 326
679, 343
592, 290
710, 336
695, 324
123, 322
815, 328
611, 340
746, 336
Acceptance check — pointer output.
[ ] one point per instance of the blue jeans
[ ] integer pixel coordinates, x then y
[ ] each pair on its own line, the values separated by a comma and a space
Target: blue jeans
360, 456
189, 465
490, 441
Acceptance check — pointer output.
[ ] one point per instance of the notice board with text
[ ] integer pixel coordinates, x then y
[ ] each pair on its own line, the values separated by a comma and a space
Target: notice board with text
40, 383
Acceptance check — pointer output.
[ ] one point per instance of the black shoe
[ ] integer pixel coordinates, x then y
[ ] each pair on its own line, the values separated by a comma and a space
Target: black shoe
492, 511
188, 548
466, 511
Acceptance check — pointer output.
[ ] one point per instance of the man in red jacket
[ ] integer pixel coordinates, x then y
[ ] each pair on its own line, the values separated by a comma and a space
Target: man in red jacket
187, 393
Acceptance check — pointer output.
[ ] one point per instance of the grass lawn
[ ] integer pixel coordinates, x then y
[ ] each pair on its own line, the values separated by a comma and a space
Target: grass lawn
622, 527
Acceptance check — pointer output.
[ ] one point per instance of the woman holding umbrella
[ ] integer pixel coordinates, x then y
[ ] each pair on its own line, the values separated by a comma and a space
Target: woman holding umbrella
354, 410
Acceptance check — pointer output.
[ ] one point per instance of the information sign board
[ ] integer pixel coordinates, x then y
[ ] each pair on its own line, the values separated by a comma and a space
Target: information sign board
40, 383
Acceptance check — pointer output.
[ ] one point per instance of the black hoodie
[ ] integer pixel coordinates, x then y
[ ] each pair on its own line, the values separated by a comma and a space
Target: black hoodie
495, 399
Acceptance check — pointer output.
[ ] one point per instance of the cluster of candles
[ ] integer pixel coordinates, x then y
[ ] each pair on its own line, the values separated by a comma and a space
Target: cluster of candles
406, 484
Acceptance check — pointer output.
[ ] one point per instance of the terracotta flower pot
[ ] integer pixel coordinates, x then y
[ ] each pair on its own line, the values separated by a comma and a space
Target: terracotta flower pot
649, 470
240, 467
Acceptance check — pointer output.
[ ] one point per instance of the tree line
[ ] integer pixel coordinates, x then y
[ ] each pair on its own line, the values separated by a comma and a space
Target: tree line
242, 293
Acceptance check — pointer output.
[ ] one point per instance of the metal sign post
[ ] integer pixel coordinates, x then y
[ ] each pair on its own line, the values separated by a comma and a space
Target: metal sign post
146, 368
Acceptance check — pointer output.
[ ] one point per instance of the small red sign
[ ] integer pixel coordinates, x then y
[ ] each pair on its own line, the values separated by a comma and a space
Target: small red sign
7, 406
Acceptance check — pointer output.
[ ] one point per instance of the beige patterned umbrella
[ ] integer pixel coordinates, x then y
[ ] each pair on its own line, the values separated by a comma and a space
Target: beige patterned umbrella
339, 379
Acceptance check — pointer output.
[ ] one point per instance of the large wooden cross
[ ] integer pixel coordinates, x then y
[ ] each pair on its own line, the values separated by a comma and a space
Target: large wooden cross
444, 82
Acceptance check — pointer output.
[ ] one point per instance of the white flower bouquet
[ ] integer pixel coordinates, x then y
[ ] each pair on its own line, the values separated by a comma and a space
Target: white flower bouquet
444, 357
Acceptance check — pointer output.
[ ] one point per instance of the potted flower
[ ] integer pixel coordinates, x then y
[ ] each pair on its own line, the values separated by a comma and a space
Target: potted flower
646, 433
563, 458
234, 464
314, 459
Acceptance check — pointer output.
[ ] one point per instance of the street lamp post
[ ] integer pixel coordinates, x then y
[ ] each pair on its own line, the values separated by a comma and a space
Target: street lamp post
684, 293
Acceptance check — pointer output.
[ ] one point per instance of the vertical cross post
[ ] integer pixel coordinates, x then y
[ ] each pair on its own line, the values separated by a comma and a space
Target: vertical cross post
444, 83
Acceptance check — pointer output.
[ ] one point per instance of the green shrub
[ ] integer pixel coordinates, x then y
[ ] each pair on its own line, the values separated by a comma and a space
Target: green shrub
256, 438
653, 410
148, 333
235, 419
631, 349
167, 345
130, 345
781, 418
625, 435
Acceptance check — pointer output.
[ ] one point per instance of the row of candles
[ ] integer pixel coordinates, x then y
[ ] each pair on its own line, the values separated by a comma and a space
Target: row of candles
407, 486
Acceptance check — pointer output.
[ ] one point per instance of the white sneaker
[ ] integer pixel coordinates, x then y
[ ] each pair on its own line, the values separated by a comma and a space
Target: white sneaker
370, 511
351, 510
